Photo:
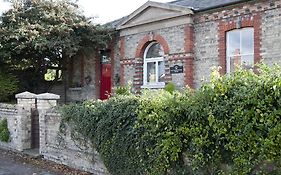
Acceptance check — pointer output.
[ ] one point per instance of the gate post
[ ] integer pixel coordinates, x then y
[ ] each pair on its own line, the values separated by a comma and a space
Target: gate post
25, 102
45, 102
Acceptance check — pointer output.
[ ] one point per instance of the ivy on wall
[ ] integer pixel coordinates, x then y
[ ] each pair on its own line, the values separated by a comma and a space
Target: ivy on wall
229, 126
4, 131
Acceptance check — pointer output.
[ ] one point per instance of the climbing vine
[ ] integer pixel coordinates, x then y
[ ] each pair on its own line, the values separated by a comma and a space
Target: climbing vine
229, 126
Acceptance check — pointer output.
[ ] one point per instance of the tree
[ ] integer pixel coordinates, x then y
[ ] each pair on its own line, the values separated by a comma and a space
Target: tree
40, 33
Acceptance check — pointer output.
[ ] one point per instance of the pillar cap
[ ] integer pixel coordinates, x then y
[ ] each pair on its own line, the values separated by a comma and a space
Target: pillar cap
26, 95
47, 96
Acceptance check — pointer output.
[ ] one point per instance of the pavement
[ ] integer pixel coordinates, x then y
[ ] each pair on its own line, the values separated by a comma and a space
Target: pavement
9, 166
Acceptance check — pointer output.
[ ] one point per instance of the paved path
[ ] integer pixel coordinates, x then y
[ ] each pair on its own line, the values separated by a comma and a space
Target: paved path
8, 166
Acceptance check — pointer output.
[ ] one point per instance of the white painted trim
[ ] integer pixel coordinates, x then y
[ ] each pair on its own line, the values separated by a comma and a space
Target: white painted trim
159, 85
228, 56
151, 60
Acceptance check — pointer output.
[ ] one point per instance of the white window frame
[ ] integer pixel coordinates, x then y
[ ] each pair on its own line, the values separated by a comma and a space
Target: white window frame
228, 56
155, 60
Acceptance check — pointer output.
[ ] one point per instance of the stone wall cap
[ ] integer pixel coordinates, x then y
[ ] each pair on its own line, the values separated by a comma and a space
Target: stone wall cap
26, 95
47, 96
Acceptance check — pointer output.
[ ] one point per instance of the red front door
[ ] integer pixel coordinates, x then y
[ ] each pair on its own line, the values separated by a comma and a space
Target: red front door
105, 86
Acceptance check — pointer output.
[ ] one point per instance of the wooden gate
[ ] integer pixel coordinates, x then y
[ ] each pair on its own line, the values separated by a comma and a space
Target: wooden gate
34, 128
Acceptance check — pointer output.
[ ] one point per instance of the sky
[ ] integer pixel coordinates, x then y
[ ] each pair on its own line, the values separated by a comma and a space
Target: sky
104, 10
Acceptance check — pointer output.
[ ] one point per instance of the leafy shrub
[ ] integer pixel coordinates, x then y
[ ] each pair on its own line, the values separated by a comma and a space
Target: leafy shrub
170, 87
4, 131
229, 126
8, 85
158, 118
123, 90
109, 125
237, 122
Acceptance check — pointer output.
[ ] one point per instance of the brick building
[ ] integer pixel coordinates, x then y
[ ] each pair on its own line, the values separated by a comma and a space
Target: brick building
180, 42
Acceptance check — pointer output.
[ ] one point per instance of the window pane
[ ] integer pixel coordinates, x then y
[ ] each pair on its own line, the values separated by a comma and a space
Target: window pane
247, 61
247, 37
151, 72
233, 42
234, 62
154, 51
161, 71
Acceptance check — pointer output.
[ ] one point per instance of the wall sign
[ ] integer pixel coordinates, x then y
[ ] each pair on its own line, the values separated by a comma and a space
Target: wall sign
176, 69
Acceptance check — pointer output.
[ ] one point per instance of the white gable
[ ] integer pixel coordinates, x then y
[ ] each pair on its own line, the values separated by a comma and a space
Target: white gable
152, 12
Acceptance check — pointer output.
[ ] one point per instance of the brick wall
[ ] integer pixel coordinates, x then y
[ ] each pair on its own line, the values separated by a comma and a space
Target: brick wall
83, 67
177, 43
271, 36
174, 36
210, 28
206, 51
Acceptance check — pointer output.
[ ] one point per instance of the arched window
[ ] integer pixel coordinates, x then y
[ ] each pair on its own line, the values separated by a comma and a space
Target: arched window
154, 66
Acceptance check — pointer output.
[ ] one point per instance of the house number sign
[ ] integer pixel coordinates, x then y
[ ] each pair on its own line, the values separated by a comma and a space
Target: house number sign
176, 69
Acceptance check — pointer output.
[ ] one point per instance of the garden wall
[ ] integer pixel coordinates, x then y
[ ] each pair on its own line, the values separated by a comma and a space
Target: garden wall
9, 112
51, 144
61, 149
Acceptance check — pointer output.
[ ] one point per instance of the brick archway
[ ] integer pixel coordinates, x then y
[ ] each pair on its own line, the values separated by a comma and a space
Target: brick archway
138, 77
148, 39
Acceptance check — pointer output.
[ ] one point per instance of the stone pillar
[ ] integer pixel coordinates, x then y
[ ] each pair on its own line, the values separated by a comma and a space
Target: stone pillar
45, 102
25, 102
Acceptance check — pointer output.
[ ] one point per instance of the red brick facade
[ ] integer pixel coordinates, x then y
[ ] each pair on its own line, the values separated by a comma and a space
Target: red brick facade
197, 44
122, 55
138, 65
189, 60
148, 39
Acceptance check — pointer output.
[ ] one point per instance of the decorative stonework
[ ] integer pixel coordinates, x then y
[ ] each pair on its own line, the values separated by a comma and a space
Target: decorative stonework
148, 39
247, 8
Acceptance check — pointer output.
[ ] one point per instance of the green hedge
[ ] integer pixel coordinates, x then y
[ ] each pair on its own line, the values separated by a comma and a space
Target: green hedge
229, 126
4, 131
8, 85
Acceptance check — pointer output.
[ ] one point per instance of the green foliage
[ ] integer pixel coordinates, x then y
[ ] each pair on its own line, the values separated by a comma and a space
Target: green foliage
4, 131
123, 90
8, 85
170, 87
158, 118
229, 126
43, 32
109, 125
236, 118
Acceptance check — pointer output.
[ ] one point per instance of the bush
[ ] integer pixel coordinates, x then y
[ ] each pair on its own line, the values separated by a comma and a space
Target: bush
123, 90
109, 125
170, 87
8, 85
236, 119
158, 118
4, 131
229, 126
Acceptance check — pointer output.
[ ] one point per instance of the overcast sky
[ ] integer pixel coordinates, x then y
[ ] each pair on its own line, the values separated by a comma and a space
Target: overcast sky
104, 10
